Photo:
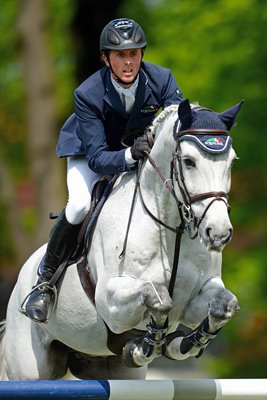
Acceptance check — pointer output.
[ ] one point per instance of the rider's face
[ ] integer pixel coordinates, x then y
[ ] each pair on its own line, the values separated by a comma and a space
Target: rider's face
125, 64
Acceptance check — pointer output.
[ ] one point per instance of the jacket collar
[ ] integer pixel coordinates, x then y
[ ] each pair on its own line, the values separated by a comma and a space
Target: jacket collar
111, 96
142, 93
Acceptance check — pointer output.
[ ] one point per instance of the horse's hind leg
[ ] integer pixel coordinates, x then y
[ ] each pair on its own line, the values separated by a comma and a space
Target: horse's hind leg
41, 363
2, 347
29, 354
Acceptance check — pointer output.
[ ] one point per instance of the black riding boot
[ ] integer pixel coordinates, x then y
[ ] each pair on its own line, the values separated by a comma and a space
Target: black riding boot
61, 245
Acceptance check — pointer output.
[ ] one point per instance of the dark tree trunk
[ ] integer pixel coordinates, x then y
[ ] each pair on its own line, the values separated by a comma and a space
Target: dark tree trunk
90, 18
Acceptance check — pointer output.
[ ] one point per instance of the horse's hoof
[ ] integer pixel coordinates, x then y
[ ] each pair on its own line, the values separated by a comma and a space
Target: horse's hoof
127, 353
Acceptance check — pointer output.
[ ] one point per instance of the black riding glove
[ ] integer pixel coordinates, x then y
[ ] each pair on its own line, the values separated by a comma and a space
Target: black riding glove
139, 147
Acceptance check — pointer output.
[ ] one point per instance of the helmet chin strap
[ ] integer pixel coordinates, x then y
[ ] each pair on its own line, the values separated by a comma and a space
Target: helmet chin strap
119, 80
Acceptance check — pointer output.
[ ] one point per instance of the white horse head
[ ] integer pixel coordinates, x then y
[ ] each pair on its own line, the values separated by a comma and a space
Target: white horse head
202, 160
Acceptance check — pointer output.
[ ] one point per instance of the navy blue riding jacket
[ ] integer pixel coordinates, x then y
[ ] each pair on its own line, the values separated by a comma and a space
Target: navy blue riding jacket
99, 123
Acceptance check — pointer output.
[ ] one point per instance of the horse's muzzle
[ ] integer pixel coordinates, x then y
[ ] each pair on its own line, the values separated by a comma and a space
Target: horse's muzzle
216, 242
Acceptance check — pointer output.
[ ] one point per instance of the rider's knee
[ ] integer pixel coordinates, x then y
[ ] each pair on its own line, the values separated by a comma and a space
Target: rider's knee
76, 212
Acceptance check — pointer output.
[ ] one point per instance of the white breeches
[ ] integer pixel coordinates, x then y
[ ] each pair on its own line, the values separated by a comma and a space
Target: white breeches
80, 182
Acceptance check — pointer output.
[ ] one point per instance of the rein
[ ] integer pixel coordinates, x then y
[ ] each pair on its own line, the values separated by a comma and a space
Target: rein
179, 230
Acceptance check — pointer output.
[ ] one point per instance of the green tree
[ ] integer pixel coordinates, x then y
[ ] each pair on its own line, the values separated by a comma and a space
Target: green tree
35, 67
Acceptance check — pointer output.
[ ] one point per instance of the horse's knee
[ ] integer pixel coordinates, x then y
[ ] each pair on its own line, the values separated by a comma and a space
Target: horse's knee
156, 298
223, 307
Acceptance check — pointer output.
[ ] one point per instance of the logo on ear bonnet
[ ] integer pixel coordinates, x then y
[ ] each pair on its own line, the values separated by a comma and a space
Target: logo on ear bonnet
210, 142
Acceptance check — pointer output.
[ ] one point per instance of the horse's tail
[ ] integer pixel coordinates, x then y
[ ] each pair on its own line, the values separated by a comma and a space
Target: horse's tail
2, 347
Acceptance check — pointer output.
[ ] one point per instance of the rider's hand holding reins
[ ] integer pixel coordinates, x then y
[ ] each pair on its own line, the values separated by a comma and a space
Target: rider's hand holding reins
140, 147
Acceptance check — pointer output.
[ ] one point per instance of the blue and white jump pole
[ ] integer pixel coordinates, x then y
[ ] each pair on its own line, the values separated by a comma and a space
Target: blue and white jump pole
199, 389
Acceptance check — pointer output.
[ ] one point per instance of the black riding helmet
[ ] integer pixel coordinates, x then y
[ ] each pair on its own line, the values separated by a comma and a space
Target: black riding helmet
122, 34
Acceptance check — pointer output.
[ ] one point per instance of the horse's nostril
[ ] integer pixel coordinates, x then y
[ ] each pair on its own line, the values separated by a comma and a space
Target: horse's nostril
230, 234
208, 230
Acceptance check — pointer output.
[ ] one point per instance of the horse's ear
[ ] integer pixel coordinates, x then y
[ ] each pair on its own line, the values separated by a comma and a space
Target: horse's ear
185, 114
228, 117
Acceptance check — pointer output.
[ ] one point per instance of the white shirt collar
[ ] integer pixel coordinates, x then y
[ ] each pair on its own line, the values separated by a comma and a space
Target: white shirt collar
119, 89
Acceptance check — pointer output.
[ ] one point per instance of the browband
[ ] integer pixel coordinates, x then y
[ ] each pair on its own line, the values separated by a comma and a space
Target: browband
203, 132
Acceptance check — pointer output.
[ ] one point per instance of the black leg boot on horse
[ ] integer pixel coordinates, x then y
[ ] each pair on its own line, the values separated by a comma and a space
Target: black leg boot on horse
61, 246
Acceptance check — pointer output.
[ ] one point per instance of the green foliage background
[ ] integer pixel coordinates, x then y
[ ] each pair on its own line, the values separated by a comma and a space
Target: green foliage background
217, 51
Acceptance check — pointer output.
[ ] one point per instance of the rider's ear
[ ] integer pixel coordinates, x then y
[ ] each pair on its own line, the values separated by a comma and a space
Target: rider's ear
228, 117
104, 59
185, 114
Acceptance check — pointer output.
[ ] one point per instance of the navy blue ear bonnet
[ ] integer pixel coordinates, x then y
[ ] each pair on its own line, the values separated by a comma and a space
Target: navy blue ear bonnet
208, 129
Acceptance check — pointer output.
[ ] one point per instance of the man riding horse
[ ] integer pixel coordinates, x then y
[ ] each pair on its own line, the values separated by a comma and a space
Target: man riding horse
120, 100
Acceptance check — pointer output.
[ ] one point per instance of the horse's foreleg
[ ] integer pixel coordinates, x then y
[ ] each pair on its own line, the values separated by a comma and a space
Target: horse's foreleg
221, 308
144, 350
129, 303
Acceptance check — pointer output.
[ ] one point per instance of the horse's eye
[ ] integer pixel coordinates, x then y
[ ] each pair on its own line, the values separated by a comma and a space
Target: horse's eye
189, 163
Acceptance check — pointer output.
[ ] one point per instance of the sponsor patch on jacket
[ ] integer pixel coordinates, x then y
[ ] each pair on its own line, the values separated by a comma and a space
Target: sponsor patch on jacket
210, 143
150, 108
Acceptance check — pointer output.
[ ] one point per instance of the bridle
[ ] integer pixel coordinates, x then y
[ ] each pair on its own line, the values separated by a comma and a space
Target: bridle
177, 174
187, 217
177, 168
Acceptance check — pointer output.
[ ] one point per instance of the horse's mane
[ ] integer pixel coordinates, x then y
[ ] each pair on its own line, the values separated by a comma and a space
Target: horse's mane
165, 112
